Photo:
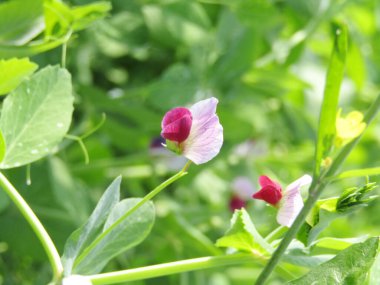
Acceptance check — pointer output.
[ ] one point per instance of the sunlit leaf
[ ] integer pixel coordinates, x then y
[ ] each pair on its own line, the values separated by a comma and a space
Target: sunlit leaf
13, 72
83, 236
243, 235
20, 21
334, 77
36, 116
349, 267
118, 237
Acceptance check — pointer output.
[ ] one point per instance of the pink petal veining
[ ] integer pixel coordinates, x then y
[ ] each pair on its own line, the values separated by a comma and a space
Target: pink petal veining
292, 201
206, 134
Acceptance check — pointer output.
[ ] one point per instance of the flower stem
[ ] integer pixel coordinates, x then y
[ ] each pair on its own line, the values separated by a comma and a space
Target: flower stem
36, 226
146, 198
177, 267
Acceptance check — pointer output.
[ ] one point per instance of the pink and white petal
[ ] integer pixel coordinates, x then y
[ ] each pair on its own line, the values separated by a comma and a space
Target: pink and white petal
303, 181
292, 202
203, 110
205, 140
290, 207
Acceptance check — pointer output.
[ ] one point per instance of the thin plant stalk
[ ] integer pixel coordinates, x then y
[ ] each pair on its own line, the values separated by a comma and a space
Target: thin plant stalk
36, 226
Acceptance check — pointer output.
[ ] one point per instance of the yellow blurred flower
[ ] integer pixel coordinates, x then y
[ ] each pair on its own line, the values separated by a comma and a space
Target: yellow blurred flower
349, 127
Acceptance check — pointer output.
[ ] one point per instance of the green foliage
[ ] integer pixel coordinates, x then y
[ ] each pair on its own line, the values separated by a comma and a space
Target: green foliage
83, 236
356, 197
23, 22
20, 21
335, 73
264, 60
107, 232
13, 72
36, 116
349, 267
327, 210
119, 234
242, 235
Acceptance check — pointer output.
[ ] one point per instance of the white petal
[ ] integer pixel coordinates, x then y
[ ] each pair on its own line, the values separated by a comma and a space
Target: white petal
290, 207
292, 202
76, 280
206, 134
304, 180
203, 110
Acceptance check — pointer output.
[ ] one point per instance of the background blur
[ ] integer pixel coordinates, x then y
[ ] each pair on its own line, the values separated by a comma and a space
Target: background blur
264, 60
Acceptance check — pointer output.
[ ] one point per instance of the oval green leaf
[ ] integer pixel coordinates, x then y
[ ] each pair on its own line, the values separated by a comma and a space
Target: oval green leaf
36, 116
123, 236
13, 72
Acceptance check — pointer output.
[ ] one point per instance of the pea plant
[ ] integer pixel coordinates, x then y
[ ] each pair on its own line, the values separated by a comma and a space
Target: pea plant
35, 120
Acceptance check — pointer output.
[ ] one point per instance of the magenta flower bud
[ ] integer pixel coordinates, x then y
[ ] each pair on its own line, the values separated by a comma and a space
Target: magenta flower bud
176, 124
195, 132
236, 203
270, 192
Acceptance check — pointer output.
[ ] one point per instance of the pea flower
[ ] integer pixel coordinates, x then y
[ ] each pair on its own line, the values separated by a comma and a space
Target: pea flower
289, 202
349, 127
242, 190
195, 132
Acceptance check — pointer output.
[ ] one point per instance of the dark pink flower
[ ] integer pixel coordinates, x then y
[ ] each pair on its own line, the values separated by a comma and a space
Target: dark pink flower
270, 192
195, 132
176, 124
289, 202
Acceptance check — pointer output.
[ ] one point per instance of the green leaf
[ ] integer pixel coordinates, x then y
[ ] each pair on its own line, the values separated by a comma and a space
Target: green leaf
374, 275
58, 18
373, 171
243, 235
121, 235
33, 48
70, 195
84, 16
338, 243
83, 236
2, 146
349, 267
335, 73
13, 72
36, 116
177, 23
20, 21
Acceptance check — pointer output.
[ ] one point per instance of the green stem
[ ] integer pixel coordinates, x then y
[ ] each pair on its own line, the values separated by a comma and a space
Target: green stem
290, 234
148, 197
63, 58
170, 268
315, 191
36, 225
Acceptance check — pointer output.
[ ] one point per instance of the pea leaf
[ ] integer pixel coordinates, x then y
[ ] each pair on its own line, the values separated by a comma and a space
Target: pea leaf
83, 236
349, 267
13, 72
243, 235
335, 73
36, 116
20, 21
118, 235
84, 16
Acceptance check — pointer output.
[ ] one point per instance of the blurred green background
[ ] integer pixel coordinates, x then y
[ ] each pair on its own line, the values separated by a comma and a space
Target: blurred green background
264, 60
